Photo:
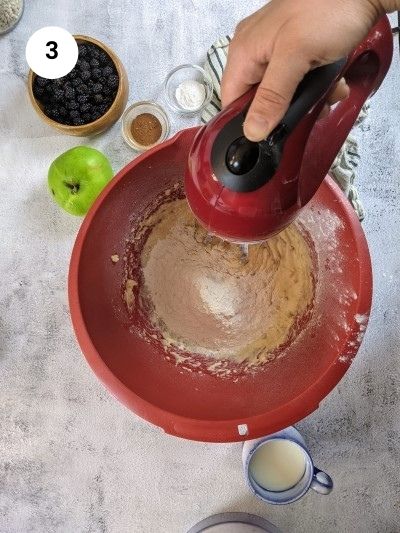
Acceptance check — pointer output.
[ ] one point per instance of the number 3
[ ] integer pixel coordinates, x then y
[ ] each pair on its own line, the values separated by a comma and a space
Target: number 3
53, 49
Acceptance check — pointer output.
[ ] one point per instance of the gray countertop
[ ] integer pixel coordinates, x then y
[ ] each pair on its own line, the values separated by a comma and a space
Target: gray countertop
72, 459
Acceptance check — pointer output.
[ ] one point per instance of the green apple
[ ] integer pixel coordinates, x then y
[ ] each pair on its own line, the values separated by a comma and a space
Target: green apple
77, 177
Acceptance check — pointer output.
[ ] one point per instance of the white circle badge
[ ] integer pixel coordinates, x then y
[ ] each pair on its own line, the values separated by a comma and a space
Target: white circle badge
51, 52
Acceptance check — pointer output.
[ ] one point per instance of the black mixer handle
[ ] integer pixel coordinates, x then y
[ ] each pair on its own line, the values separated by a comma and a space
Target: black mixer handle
244, 166
309, 91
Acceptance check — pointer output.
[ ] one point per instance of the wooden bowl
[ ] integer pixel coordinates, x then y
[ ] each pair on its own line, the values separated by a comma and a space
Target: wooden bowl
105, 121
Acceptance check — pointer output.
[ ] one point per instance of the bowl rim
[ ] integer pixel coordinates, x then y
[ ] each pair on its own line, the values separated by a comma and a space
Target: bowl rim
223, 430
99, 121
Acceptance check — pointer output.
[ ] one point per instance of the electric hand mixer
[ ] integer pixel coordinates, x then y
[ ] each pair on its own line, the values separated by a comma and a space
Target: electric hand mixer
246, 192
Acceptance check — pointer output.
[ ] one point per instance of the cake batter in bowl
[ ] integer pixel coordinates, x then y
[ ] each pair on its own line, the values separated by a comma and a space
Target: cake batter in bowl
212, 304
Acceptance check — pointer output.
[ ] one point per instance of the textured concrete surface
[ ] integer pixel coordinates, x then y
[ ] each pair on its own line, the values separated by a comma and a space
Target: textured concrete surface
72, 459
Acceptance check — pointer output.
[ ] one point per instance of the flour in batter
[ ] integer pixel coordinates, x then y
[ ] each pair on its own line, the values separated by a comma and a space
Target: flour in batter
207, 297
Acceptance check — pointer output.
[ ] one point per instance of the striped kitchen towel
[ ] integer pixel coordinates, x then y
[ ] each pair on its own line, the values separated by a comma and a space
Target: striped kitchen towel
343, 169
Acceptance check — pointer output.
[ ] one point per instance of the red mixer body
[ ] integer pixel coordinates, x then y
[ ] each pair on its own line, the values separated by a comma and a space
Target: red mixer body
307, 154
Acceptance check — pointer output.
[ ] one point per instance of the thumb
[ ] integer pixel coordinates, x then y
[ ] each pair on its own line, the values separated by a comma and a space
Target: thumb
274, 95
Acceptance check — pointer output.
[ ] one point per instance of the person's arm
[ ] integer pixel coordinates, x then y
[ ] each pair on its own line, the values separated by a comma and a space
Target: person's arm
280, 43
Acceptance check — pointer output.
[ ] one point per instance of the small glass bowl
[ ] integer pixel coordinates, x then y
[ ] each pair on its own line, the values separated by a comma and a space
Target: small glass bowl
183, 73
132, 112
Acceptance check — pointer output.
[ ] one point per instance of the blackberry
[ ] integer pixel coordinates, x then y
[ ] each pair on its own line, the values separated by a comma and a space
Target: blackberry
38, 91
94, 52
82, 98
84, 65
52, 112
94, 63
107, 71
113, 81
82, 50
63, 111
74, 114
45, 99
103, 57
70, 93
72, 105
103, 81
73, 74
96, 73
76, 82
67, 83
103, 108
85, 108
109, 100
95, 115
107, 91
98, 98
87, 117
85, 75
58, 83
97, 88
55, 115
58, 95
78, 121
82, 89
42, 82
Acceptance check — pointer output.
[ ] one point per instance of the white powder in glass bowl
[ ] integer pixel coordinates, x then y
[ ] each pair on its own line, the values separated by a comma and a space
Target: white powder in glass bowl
190, 95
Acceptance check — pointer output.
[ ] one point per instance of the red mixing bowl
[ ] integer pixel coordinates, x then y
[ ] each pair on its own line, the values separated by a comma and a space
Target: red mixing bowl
202, 406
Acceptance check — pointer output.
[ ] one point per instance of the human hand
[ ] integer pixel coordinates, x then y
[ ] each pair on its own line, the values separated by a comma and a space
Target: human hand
280, 43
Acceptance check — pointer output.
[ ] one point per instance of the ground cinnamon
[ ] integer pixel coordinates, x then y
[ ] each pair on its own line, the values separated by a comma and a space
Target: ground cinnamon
146, 129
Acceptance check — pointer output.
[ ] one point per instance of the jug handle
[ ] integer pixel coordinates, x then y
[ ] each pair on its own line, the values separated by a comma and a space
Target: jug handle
364, 72
321, 482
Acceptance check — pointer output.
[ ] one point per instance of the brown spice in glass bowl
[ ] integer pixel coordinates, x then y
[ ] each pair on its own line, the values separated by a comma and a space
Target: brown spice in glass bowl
146, 129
